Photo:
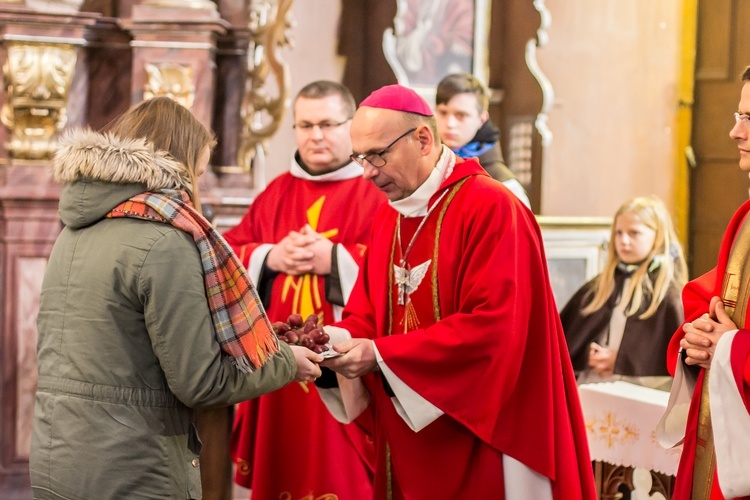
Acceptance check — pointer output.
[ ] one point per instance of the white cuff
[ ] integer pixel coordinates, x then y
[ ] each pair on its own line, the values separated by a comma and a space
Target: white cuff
255, 266
350, 398
334, 402
338, 335
523, 482
416, 411
347, 401
348, 271
670, 431
730, 421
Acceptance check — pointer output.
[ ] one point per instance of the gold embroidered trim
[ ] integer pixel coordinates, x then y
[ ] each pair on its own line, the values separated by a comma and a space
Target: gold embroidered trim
435, 294
390, 281
705, 458
388, 474
734, 294
735, 291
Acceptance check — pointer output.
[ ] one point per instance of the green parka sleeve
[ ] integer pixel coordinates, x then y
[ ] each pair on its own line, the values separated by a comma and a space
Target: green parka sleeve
179, 325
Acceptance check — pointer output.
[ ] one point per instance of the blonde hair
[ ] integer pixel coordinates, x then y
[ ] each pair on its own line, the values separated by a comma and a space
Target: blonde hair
666, 252
168, 126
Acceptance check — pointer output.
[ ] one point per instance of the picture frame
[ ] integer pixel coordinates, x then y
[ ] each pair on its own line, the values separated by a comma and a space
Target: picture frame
431, 39
576, 250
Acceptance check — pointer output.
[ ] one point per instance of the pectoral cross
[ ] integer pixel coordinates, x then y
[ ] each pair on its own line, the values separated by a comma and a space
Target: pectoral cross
408, 280
402, 278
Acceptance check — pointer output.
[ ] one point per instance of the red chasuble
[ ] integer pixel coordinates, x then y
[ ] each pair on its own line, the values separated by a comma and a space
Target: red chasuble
286, 444
696, 298
479, 337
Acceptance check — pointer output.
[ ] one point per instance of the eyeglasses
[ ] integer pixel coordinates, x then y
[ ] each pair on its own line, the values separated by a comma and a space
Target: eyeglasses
742, 118
376, 159
323, 126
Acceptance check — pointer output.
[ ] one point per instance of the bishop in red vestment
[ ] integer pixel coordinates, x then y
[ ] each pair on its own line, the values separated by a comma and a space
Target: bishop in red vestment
458, 347
710, 359
286, 444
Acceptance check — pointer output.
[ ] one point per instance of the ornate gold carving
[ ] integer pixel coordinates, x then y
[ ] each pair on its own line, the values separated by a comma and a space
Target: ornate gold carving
261, 113
37, 79
170, 80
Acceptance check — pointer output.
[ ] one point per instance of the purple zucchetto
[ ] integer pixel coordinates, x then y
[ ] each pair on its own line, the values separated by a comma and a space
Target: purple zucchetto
397, 98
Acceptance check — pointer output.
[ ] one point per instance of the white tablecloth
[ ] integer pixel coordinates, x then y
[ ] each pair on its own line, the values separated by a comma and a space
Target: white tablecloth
621, 420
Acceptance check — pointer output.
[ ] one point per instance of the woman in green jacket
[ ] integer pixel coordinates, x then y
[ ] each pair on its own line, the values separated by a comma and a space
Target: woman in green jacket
145, 315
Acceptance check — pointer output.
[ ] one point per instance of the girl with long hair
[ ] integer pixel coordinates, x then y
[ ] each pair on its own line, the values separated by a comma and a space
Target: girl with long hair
618, 325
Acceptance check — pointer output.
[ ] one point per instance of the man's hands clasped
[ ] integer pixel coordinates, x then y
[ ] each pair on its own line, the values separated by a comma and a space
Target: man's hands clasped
703, 333
301, 252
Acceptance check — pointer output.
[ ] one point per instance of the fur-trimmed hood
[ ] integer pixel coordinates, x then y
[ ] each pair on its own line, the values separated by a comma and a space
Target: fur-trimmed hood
85, 154
100, 171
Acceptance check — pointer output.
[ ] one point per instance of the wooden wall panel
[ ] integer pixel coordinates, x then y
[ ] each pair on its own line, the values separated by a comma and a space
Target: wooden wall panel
739, 44
720, 191
715, 103
717, 186
713, 60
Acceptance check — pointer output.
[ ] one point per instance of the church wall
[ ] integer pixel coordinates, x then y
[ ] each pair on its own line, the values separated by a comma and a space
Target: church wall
613, 66
614, 69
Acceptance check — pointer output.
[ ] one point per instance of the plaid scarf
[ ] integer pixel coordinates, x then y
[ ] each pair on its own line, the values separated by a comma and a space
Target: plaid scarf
240, 322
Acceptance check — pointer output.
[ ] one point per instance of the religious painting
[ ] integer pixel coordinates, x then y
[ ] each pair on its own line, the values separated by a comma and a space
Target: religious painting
434, 38
576, 249
569, 269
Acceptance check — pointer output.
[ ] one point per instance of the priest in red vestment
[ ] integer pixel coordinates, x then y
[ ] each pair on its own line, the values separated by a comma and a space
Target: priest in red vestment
457, 346
710, 359
302, 240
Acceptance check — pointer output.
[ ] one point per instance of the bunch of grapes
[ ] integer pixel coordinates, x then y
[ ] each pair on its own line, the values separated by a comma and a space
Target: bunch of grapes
306, 333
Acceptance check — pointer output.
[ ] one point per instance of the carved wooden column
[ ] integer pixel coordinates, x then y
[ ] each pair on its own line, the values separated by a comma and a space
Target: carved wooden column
251, 99
43, 65
174, 45
109, 71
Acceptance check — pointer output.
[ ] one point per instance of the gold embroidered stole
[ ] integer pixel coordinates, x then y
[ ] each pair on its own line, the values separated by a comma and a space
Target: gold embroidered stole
735, 293
406, 318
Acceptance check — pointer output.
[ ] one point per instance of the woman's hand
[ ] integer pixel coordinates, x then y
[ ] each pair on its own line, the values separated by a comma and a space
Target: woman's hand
307, 364
602, 360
